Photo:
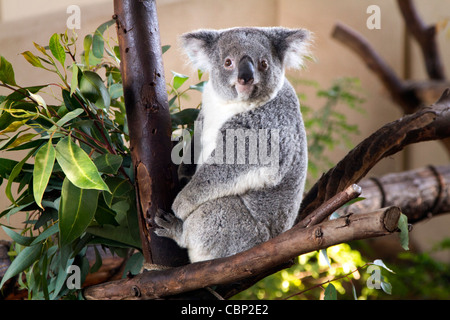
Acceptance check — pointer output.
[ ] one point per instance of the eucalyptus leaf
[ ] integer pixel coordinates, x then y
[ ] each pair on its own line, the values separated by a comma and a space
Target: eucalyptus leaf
386, 286
14, 173
97, 41
92, 87
66, 118
46, 233
380, 263
185, 116
32, 59
18, 238
178, 79
77, 166
6, 72
108, 163
118, 234
74, 81
76, 211
330, 292
24, 259
57, 49
43, 167
87, 42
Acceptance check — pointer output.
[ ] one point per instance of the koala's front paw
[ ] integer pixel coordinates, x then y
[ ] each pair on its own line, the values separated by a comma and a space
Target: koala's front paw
169, 225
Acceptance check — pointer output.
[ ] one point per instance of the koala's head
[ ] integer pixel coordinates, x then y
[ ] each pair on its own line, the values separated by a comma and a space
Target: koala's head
246, 64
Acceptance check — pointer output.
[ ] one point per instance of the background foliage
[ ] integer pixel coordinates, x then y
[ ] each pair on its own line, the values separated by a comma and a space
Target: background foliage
75, 183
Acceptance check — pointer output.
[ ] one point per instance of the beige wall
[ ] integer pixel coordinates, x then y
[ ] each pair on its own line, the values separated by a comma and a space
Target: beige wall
25, 21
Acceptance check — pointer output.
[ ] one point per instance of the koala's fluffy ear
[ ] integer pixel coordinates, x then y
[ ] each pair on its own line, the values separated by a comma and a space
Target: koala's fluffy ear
198, 46
292, 45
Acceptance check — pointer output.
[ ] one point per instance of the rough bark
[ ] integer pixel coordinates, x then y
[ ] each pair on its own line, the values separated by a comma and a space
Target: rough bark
296, 241
149, 124
420, 193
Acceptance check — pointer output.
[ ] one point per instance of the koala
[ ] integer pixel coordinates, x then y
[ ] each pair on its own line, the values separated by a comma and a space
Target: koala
238, 196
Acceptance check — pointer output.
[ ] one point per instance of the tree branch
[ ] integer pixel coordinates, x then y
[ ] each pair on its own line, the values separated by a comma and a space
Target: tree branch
430, 123
296, 241
419, 193
425, 36
400, 93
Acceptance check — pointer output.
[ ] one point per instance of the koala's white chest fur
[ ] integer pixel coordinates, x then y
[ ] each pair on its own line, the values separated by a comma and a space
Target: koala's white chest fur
216, 112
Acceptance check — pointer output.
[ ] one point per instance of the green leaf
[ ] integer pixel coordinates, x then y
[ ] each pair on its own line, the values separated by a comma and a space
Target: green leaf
119, 189
330, 292
43, 167
47, 233
14, 173
386, 286
116, 90
118, 234
18, 238
32, 59
98, 43
105, 215
134, 264
24, 259
108, 163
178, 79
74, 82
70, 101
76, 211
185, 116
6, 72
92, 87
404, 233
77, 166
165, 48
199, 86
98, 261
87, 48
21, 93
57, 49
66, 118
380, 263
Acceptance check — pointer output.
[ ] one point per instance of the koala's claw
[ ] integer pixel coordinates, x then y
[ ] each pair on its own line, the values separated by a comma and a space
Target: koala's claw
167, 224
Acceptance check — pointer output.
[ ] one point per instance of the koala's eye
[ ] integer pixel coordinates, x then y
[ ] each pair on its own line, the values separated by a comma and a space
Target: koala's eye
228, 63
263, 65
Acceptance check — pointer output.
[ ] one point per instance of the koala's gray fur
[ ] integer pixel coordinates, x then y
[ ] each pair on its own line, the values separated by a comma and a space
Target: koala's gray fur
233, 203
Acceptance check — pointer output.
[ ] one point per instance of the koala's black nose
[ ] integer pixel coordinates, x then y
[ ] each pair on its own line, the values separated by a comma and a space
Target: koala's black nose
246, 71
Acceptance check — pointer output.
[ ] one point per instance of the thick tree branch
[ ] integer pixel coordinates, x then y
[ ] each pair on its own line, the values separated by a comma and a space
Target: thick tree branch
430, 123
420, 193
296, 241
425, 36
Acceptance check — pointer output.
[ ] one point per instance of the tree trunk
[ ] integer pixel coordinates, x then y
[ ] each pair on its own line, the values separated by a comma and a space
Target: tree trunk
149, 124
